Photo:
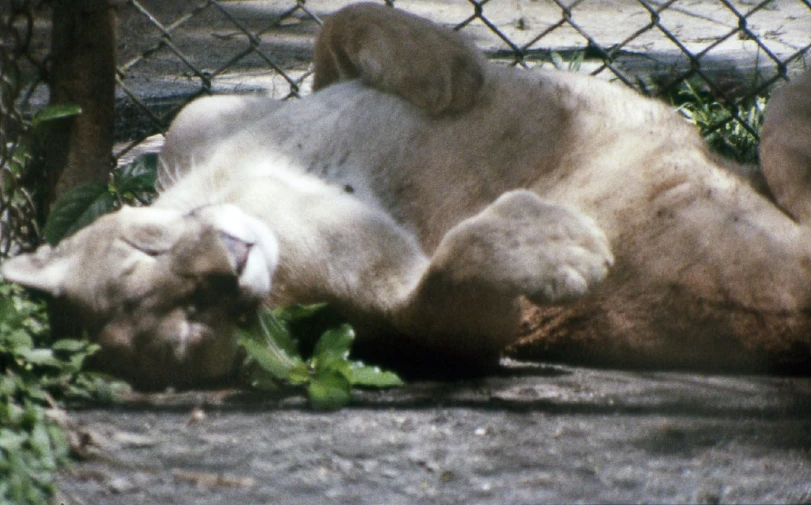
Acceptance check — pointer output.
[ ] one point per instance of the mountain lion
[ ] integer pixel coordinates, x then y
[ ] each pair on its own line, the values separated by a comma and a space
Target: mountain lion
452, 210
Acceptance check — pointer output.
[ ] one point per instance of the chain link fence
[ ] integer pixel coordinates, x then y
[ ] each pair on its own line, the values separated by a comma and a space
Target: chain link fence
22, 74
171, 51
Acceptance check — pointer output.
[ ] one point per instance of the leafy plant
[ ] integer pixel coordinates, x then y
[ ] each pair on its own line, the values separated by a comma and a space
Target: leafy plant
80, 206
18, 163
572, 65
723, 124
328, 374
36, 374
22, 153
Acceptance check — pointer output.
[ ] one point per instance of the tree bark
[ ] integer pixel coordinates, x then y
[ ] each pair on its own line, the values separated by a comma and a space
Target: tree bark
79, 149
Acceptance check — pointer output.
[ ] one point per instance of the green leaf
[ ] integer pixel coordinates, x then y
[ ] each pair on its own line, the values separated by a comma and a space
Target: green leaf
331, 365
269, 359
40, 357
334, 344
59, 442
308, 322
557, 60
275, 330
40, 441
8, 311
14, 414
329, 391
53, 112
18, 339
69, 345
298, 311
75, 360
7, 387
331, 354
299, 375
577, 62
328, 375
372, 376
77, 208
11, 440
139, 176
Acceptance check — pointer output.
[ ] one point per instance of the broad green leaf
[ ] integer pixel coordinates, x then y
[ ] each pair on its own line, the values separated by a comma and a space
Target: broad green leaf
40, 357
14, 413
8, 311
18, 339
76, 209
372, 376
11, 440
331, 364
329, 391
59, 442
299, 311
300, 375
328, 375
275, 330
36, 393
70, 345
139, 176
75, 360
274, 361
7, 387
40, 441
57, 111
334, 344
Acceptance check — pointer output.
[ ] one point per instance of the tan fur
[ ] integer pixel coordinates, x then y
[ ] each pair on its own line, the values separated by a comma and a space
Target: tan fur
365, 42
436, 196
785, 154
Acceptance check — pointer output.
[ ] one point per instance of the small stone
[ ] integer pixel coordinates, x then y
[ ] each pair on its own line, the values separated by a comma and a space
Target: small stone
197, 415
121, 485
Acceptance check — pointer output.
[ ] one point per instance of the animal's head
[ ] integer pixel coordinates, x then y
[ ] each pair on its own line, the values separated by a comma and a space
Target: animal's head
159, 290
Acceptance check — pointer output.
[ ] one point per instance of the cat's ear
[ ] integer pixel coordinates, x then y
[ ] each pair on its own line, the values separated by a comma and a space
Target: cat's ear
42, 270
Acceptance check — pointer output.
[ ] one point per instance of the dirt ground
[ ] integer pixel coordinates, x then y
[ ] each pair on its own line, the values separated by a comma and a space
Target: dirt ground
533, 434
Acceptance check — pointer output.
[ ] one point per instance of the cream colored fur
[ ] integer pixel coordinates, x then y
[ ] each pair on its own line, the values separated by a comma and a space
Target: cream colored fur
438, 201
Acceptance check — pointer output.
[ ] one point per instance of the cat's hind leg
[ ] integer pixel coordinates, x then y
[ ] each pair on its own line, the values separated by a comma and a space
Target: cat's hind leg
428, 65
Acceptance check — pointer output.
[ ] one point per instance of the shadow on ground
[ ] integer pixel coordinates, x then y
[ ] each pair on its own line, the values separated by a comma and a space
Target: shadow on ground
534, 434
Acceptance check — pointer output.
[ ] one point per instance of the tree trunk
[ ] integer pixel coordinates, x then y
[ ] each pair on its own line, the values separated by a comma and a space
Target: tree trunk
79, 149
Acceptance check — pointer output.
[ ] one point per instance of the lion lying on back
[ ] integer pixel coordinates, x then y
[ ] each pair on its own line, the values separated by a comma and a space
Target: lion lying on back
450, 209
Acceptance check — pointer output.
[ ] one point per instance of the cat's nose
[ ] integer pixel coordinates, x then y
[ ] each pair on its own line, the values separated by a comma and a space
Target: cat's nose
238, 251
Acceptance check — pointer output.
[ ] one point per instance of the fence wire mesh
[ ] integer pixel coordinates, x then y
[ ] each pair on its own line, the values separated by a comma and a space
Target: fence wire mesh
22, 73
171, 51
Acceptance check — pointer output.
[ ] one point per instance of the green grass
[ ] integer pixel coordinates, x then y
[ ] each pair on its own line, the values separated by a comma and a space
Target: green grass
731, 130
